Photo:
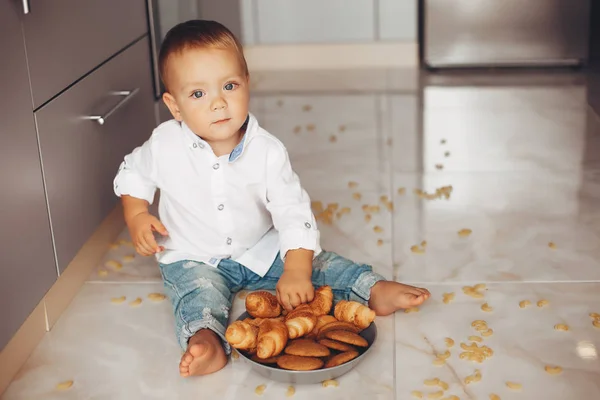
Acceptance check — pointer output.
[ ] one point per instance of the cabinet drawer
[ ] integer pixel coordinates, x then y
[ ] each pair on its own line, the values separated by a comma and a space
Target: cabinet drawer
68, 38
80, 157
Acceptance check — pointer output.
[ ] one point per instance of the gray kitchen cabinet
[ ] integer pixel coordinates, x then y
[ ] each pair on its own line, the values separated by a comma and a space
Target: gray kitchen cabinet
80, 156
67, 39
28, 267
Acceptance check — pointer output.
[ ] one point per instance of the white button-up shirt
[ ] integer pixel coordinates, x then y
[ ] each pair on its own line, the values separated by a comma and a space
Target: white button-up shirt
247, 205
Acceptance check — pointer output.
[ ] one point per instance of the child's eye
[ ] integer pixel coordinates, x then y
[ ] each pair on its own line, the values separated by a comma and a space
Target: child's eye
197, 94
231, 86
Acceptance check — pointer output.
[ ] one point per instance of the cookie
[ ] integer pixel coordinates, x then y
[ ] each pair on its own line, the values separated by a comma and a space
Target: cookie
347, 337
341, 358
270, 360
335, 345
298, 363
306, 348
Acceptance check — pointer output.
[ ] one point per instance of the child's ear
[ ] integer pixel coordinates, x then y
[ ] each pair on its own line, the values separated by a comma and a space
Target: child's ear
171, 104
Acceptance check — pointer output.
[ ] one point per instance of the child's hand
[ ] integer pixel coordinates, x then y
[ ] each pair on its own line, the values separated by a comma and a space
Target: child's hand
294, 288
140, 229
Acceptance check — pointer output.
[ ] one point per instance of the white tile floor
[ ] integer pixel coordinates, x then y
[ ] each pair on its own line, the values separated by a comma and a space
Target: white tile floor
524, 163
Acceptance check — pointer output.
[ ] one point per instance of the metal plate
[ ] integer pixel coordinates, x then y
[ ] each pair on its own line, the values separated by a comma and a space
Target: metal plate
310, 377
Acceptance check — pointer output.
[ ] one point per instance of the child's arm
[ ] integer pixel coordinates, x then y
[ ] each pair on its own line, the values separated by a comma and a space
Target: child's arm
135, 184
289, 205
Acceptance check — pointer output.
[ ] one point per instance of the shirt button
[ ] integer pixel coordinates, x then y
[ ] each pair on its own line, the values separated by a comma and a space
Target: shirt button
216, 166
221, 207
307, 225
229, 240
195, 145
201, 145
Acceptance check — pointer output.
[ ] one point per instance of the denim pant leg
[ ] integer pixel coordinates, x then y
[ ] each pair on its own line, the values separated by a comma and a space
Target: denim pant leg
201, 296
348, 280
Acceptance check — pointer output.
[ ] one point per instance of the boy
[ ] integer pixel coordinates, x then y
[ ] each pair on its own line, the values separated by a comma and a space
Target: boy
233, 214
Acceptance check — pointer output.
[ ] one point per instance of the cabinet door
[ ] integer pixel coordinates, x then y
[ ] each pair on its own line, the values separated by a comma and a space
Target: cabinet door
69, 38
27, 269
80, 156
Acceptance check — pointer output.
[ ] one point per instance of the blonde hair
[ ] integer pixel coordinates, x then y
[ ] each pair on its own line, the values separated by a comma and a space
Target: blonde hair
197, 33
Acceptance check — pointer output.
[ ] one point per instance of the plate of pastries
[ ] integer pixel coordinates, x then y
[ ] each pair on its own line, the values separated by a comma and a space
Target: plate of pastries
312, 343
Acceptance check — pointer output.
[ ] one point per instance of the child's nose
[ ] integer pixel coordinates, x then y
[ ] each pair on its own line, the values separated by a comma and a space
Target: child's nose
218, 104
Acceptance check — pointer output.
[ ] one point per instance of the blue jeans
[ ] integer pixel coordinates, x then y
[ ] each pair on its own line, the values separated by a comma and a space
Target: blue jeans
201, 295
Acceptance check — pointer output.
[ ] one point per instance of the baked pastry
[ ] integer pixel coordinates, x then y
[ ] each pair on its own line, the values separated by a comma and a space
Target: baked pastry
301, 321
262, 304
335, 345
298, 363
355, 313
242, 335
337, 326
272, 338
306, 348
321, 304
322, 320
347, 337
341, 358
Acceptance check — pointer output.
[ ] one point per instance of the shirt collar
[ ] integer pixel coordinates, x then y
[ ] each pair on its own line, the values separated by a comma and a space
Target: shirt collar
194, 141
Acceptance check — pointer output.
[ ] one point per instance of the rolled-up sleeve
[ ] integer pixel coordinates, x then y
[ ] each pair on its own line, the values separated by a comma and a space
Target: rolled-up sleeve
137, 173
289, 205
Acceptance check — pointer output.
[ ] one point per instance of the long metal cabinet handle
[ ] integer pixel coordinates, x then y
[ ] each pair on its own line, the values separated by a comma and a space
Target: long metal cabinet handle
101, 119
25, 6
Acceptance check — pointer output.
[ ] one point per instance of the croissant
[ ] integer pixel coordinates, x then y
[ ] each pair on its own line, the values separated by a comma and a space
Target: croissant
323, 300
262, 305
272, 338
355, 313
242, 335
301, 321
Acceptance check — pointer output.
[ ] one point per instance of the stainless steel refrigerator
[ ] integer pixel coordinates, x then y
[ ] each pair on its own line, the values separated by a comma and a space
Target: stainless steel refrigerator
465, 33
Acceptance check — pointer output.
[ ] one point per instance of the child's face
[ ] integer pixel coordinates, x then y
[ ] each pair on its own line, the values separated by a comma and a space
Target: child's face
208, 90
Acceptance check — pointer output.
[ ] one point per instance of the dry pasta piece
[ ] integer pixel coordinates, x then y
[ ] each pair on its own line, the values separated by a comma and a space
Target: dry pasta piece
357, 196
118, 300
543, 303
102, 272
352, 184
380, 242
452, 397
235, 355
377, 229
290, 391
156, 297
594, 315
401, 191
439, 362
448, 297
524, 303
464, 232
114, 264
416, 394
136, 302
444, 386
552, 245
561, 327
260, 389
449, 342
432, 382
445, 355
368, 218
489, 332
494, 397
480, 286
485, 307
411, 310
514, 385
596, 323
475, 339
330, 382
417, 250
553, 370
64, 385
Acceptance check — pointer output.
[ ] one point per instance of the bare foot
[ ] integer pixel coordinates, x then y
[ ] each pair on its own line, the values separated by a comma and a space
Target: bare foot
204, 355
388, 297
